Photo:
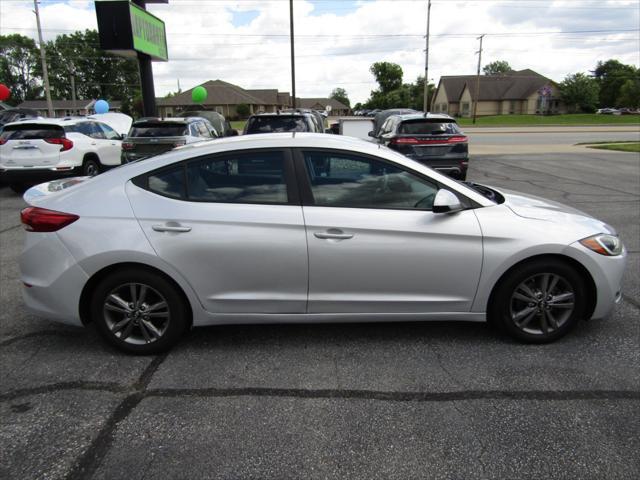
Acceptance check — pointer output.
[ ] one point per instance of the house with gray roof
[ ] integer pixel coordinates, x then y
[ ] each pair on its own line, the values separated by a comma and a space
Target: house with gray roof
66, 108
224, 97
337, 108
515, 92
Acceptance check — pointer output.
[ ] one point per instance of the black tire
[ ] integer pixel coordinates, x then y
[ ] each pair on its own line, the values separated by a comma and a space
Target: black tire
158, 289
91, 167
18, 188
508, 301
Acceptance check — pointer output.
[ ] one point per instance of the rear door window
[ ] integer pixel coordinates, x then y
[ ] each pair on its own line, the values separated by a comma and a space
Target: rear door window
158, 129
27, 131
253, 177
428, 127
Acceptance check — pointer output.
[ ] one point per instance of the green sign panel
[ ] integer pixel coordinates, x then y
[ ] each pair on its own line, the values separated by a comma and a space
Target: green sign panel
149, 35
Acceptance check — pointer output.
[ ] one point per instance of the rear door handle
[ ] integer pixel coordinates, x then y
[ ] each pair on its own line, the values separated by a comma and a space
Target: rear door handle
333, 234
170, 228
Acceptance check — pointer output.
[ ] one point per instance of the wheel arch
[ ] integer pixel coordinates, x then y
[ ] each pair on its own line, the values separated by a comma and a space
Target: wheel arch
592, 291
91, 156
84, 307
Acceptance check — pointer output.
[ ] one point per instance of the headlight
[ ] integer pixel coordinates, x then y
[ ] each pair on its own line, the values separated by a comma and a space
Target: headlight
604, 244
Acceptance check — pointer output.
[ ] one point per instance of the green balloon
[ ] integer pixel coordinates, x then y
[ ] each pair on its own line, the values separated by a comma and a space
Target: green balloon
199, 94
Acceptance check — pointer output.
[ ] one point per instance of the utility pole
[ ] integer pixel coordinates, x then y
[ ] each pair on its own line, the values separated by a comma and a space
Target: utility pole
425, 103
43, 57
293, 61
475, 104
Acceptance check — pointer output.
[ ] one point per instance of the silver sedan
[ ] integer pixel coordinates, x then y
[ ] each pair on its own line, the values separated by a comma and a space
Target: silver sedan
306, 228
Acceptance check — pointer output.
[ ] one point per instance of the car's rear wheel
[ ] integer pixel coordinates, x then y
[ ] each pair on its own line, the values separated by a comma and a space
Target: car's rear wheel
90, 167
139, 311
539, 302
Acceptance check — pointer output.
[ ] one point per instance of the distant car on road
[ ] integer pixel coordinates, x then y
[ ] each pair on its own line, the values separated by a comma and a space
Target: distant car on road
282, 122
434, 140
32, 151
153, 136
608, 111
298, 227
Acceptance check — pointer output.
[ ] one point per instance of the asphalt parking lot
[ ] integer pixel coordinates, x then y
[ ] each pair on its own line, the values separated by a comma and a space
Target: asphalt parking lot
430, 400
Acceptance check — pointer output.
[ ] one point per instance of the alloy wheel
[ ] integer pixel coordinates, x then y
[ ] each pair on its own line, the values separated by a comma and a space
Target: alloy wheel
542, 303
136, 313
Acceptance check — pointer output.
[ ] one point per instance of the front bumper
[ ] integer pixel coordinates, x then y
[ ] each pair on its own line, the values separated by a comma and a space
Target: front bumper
607, 273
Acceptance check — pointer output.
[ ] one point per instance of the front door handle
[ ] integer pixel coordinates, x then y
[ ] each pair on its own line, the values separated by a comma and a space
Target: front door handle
170, 228
333, 234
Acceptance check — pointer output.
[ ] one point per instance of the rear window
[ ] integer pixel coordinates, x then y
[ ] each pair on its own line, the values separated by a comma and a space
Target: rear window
277, 124
158, 130
428, 127
27, 131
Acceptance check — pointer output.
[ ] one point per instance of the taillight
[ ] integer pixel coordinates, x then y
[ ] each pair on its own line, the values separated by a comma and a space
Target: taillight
65, 142
425, 141
2, 141
37, 219
127, 146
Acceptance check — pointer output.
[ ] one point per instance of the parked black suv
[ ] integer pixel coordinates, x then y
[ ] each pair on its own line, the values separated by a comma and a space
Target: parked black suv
296, 121
153, 136
220, 124
432, 139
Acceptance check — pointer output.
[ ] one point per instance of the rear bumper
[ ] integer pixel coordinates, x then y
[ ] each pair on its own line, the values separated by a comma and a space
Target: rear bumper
53, 280
35, 175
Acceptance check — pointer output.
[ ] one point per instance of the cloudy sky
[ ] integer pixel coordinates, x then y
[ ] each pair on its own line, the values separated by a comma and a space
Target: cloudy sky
246, 42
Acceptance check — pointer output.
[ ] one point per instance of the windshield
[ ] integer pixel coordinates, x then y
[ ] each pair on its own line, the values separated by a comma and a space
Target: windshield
150, 129
276, 124
429, 127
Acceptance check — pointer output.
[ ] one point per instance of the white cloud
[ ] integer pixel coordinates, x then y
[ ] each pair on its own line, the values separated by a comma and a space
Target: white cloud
336, 48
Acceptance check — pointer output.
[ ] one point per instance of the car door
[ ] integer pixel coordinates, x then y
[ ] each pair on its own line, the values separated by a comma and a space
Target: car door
232, 225
374, 244
112, 145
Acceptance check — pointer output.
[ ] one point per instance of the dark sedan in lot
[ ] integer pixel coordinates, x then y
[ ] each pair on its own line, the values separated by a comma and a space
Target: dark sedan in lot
431, 139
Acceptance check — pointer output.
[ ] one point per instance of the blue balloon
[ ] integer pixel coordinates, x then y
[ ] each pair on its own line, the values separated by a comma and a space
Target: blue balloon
101, 106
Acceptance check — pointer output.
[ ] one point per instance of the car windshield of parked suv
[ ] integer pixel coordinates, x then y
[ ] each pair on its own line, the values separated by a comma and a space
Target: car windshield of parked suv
428, 127
158, 129
274, 124
30, 131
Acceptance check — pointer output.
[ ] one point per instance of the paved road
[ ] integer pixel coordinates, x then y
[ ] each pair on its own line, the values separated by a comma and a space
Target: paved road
337, 401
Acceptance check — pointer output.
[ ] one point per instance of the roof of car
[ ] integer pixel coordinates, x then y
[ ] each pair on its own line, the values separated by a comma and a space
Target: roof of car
169, 119
62, 122
430, 116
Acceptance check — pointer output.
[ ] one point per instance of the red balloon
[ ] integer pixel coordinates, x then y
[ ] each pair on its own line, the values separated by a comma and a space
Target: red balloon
4, 92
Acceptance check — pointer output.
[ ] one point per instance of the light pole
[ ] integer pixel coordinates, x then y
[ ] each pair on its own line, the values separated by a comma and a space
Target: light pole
293, 61
43, 58
475, 104
425, 103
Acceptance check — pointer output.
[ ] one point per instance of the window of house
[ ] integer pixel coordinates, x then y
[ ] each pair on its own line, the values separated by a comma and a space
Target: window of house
464, 108
352, 181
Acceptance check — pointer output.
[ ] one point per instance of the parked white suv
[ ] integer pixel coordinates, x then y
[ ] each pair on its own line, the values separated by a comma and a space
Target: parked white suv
33, 151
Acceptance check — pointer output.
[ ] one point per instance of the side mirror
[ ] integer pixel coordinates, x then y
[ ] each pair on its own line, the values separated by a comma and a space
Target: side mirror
446, 202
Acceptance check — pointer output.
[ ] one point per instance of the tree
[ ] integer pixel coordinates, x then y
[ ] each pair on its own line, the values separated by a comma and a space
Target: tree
499, 67
612, 75
630, 93
19, 67
340, 94
243, 110
97, 73
388, 75
579, 92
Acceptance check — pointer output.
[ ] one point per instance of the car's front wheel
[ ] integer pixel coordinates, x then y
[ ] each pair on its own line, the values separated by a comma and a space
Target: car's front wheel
139, 311
540, 301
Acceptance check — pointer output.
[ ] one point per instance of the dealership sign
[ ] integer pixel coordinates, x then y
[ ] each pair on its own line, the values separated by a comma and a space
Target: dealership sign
124, 29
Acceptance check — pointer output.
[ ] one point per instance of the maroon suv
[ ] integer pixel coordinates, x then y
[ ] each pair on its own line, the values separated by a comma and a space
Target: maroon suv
431, 139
